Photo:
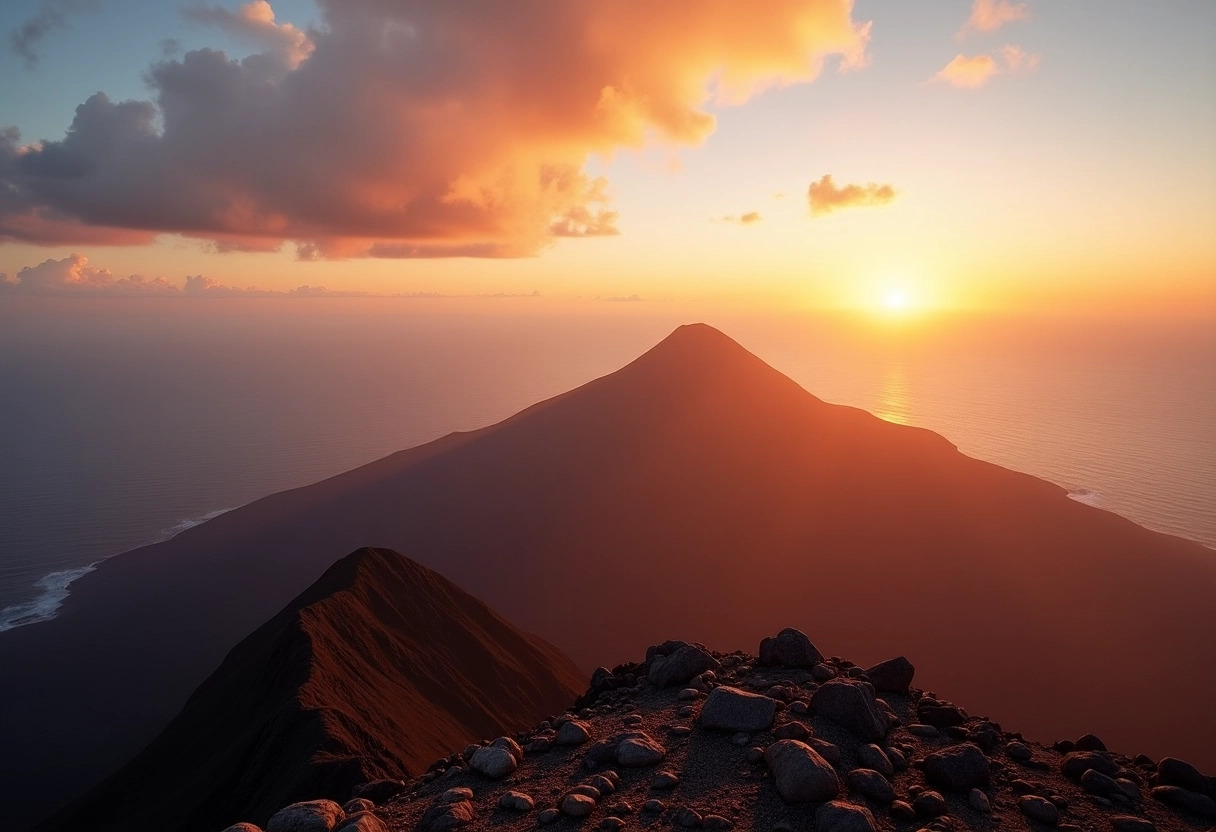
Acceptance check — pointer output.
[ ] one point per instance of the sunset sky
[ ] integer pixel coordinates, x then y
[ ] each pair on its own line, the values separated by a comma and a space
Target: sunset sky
1043, 155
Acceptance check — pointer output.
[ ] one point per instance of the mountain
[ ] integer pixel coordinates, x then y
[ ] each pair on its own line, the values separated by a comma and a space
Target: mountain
695, 739
696, 490
374, 671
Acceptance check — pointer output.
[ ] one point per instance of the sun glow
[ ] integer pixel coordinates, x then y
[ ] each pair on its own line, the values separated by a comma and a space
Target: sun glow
896, 300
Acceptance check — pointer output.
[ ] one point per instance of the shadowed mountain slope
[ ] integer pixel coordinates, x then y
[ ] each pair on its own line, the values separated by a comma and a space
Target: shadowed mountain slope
696, 490
374, 671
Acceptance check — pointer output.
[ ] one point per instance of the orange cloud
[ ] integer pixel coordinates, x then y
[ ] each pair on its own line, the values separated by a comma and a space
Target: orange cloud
974, 72
749, 218
990, 15
412, 129
824, 197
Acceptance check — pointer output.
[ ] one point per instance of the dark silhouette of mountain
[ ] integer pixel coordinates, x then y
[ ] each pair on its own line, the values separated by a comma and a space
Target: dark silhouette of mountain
696, 490
374, 671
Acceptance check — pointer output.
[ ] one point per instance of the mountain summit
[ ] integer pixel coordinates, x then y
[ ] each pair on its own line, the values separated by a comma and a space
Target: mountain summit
696, 490
374, 671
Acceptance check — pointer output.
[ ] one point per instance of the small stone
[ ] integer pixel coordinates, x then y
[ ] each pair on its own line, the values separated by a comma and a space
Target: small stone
653, 806
838, 816
792, 731
688, 693
789, 648
919, 729
243, 827
902, 810
1019, 751
548, 816
898, 761
730, 709
618, 809
1095, 782
871, 784
825, 749
1181, 798
1090, 743
586, 789
358, 804
1038, 808
601, 784
516, 802
664, 780
940, 714
577, 805
639, 751
958, 767
892, 676
741, 739
800, 773
679, 730
871, 756
306, 816
688, 818
755, 754
686, 711
574, 732
1131, 823
1077, 763
379, 791
613, 776
612, 824
930, 804
1128, 788
361, 822
444, 816
799, 707
456, 795
978, 801
717, 823
632, 720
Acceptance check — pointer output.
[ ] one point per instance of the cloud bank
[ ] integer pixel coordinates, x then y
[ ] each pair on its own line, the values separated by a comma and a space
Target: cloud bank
408, 129
824, 196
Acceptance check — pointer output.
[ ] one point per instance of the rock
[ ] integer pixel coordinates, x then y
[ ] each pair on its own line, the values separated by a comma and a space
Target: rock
574, 732
1181, 798
688, 818
243, 827
664, 780
755, 754
871, 756
679, 666
871, 784
1039, 808
379, 791
959, 767
1131, 823
717, 823
930, 804
918, 729
577, 805
940, 714
612, 824
1095, 782
1089, 743
801, 775
653, 806
789, 648
456, 795
516, 802
1076, 763
799, 707
307, 816
838, 816
822, 672
619, 809
902, 810
358, 804
601, 784
688, 694
632, 720
792, 731
978, 801
679, 730
638, 751
825, 749
362, 822
1174, 772
892, 676
730, 709
897, 758
1127, 787
1019, 751
498, 759
586, 789
851, 705
443, 816
548, 816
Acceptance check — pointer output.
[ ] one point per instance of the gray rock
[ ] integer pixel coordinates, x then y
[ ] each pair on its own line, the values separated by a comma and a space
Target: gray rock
577, 805
612, 824
959, 767
838, 816
730, 709
792, 731
456, 795
653, 805
516, 802
978, 801
825, 749
586, 789
602, 784
1131, 823
362, 822
1019, 751
789, 648
801, 775
307, 816
902, 810
664, 780
243, 827
871, 756
930, 804
1181, 798
851, 705
639, 751
1174, 772
574, 732
897, 758
444, 816
717, 823
357, 804
679, 666
919, 729
892, 676
1089, 742
548, 816
1095, 782
494, 762
1077, 763
871, 784
688, 818
1039, 808
688, 694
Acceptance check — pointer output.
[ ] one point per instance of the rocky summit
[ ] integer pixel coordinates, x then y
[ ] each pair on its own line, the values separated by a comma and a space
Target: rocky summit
693, 739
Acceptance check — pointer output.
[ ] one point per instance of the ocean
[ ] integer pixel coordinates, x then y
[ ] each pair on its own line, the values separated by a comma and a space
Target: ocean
125, 421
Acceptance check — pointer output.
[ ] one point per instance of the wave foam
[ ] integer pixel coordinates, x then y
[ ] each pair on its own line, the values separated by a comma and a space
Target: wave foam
1087, 496
189, 523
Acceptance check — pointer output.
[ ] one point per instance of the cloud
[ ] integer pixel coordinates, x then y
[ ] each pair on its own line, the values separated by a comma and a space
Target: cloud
634, 298
990, 15
973, 72
52, 15
412, 129
749, 218
824, 197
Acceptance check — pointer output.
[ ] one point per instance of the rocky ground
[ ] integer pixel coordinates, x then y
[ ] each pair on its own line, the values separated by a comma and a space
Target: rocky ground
787, 741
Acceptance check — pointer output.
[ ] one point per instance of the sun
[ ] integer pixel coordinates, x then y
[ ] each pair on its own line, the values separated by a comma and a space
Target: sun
896, 300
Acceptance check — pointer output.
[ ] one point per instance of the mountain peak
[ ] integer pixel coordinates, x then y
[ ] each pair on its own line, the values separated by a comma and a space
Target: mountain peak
697, 339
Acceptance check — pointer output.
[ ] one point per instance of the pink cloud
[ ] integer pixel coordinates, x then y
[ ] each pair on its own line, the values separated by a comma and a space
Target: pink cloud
990, 15
973, 72
824, 197
413, 129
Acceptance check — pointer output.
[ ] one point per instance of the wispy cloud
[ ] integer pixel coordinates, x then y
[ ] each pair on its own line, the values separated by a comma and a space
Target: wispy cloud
459, 128
750, 218
824, 196
990, 15
27, 38
974, 71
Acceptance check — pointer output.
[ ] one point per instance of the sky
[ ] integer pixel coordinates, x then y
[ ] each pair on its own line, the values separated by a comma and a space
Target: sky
1046, 155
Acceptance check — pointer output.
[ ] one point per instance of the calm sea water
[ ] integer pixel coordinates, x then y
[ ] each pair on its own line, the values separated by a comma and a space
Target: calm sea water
125, 421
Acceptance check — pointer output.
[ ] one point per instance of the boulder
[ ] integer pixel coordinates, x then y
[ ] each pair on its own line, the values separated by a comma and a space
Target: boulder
444, 816
677, 667
357, 804
1077, 763
1039, 808
243, 827
640, 750
498, 759
850, 704
1174, 772
516, 802
573, 732
838, 816
801, 775
362, 822
892, 676
730, 709
379, 791
1186, 799
871, 756
308, 816
577, 805
960, 767
869, 783
789, 648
